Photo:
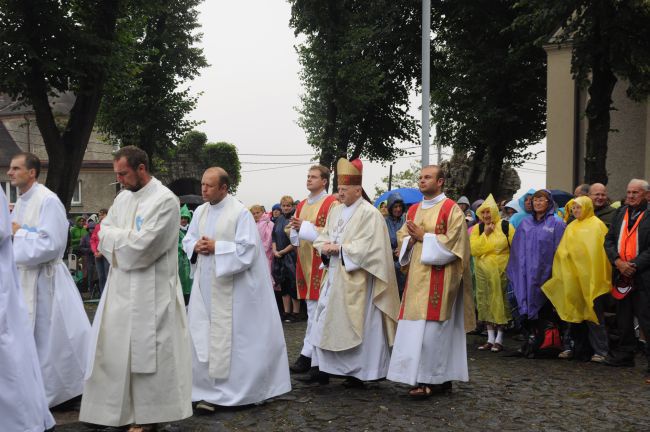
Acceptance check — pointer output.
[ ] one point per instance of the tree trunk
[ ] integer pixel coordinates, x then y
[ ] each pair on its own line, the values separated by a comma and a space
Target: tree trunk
66, 150
475, 171
493, 165
598, 123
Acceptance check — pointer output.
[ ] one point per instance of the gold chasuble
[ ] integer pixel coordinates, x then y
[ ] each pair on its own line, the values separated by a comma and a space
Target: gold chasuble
431, 290
309, 273
364, 239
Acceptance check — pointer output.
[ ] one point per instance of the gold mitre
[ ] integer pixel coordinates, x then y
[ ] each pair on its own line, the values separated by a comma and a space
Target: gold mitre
348, 173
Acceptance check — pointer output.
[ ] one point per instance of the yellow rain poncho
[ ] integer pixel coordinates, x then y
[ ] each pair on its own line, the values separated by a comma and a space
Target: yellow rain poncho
581, 271
491, 254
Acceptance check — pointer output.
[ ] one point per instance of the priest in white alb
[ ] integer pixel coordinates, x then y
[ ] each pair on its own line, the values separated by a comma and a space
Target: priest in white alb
356, 315
23, 406
140, 367
239, 355
57, 316
430, 349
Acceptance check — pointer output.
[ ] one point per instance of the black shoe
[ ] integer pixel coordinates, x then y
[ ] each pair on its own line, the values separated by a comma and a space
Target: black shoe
301, 365
315, 376
616, 362
445, 387
352, 382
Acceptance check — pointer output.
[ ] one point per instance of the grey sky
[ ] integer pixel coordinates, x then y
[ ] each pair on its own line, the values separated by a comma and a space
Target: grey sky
250, 92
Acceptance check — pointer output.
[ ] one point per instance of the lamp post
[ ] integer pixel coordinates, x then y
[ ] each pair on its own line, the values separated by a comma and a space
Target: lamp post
426, 90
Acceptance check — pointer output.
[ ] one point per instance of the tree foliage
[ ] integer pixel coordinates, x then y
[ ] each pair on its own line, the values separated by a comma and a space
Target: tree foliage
358, 61
401, 179
609, 40
79, 46
144, 104
224, 155
488, 86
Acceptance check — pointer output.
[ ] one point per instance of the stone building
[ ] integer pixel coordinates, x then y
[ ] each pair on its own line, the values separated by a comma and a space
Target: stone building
628, 153
19, 132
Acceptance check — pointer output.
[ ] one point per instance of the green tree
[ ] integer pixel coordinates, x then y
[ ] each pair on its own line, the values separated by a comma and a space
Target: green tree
401, 179
358, 62
143, 104
609, 41
78, 46
488, 87
224, 155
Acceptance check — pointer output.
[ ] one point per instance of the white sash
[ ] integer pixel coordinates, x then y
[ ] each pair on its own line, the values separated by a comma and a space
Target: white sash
215, 348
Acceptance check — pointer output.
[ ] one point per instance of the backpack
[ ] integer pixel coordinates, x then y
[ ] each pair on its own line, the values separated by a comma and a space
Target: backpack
505, 227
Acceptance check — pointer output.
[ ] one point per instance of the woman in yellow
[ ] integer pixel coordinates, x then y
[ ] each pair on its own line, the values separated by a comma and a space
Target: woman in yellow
581, 274
490, 245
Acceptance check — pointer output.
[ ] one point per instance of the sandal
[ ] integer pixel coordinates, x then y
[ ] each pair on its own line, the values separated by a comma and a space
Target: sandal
485, 347
497, 348
420, 392
153, 427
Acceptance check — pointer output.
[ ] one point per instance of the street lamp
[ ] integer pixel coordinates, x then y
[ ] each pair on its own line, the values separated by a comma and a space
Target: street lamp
426, 92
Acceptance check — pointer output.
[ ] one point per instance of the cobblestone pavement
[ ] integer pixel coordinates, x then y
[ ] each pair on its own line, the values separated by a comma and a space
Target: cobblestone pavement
505, 393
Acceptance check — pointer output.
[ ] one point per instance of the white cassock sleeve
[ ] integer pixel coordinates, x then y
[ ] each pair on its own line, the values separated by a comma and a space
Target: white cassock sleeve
5, 224
405, 253
307, 232
131, 249
236, 257
294, 238
349, 264
47, 241
433, 253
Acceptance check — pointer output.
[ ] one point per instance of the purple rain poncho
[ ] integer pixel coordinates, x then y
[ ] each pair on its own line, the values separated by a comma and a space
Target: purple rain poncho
531, 259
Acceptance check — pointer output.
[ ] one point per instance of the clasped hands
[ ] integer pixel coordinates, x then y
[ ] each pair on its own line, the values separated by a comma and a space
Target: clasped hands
415, 231
295, 223
330, 249
625, 268
204, 246
15, 227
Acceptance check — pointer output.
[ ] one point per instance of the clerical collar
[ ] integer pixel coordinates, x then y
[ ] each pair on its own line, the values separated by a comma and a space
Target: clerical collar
30, 192
428, 203
312, 199
220, 204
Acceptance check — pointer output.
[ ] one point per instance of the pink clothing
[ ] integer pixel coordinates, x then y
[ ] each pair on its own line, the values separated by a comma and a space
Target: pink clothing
94, 238
265, 228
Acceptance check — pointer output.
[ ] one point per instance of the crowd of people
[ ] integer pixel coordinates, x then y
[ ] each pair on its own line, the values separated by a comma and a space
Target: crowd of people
192, 302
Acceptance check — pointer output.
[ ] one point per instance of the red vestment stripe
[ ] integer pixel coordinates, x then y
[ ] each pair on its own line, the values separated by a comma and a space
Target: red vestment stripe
313, 287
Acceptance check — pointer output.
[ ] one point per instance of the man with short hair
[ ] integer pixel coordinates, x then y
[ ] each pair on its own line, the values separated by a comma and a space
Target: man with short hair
602, 209
627, 245
437, 308
23, 406
59, 321
356, 315
581, 190
306, 224
140, 372
239, 355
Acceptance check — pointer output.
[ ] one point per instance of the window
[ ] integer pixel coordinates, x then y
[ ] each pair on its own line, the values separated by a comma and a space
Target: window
10, 191
76, 196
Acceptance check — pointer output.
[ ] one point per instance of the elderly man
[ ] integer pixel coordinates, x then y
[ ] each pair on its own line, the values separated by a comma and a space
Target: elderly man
602, 209
307, 222
628, 248
140, 368
239, 355
57, 316
357, 310
581, 190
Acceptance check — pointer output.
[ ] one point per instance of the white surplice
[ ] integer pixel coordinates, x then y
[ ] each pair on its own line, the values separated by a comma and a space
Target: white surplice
430, 352
61, 326
23, 405
140, 367
369, 360
258, 366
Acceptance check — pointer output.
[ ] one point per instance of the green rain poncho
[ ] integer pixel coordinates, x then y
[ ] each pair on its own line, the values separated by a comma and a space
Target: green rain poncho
183, 260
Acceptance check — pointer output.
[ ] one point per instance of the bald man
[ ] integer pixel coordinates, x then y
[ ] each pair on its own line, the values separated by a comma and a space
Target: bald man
239, 355
602, 209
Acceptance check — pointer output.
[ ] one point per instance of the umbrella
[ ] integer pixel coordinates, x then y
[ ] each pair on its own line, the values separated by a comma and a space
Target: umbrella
192, 201
560, 197
409, 195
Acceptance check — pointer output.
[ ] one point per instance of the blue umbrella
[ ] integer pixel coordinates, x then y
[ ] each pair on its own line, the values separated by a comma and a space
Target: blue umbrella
409, 195
561, 197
